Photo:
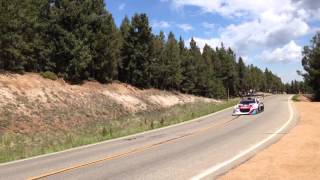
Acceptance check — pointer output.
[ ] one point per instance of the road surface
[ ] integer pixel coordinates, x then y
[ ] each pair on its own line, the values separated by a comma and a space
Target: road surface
201, 149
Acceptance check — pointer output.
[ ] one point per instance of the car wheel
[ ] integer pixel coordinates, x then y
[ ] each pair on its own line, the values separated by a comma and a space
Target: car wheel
256, 111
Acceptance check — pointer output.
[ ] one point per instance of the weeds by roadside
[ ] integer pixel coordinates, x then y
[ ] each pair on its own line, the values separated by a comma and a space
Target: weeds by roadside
15, 146
296, 98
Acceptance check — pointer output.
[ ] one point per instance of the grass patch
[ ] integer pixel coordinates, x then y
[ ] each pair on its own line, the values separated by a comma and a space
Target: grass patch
295, 98
49, 75
18, 146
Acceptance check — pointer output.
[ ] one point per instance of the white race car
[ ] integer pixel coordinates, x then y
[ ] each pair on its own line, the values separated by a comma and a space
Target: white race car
248, 105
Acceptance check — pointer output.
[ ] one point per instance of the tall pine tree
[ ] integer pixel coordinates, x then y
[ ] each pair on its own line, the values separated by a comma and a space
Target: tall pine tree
137, 59
243, 76
157, 61
189, 68
172, 64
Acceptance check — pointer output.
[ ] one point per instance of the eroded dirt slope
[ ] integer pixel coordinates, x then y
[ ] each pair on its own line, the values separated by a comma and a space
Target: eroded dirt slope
30, 103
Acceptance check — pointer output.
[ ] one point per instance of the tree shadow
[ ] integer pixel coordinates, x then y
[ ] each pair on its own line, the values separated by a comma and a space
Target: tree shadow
309, 97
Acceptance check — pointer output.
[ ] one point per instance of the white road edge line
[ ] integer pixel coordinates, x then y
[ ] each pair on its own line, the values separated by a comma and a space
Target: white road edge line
116, 139
217, 167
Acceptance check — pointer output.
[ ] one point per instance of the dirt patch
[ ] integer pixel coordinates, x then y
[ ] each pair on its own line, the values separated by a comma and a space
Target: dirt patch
304, 98
295, 156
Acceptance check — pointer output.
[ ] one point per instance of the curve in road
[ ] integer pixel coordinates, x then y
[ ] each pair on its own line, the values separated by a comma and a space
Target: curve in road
203, 148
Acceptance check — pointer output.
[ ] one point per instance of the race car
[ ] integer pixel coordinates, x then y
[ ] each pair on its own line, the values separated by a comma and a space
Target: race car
248, 105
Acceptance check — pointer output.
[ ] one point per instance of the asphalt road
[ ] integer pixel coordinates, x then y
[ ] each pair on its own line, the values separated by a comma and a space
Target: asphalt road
201, 149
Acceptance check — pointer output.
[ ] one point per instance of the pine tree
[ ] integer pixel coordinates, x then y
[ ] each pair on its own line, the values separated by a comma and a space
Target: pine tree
172, 64
213, 87
255, 79
104, 41
157, 61
182, 48
206, 73
226, 70
138, 45
189, 69
19, 39
243, 76
124, 29
311, 64
69, 55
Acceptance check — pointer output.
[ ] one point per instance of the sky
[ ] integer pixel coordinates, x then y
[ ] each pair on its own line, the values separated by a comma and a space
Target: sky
266, 33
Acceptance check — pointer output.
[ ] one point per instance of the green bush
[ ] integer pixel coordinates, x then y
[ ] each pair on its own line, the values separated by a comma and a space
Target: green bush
49, 75
295, 97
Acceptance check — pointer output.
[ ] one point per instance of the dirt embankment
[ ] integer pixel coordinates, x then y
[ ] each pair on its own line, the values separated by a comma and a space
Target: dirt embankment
30, 103
295, 156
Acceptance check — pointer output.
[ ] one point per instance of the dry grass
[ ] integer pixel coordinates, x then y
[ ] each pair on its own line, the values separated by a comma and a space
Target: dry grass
39, 115
16, 146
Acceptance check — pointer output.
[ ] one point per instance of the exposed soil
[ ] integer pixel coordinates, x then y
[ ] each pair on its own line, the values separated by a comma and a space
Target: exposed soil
295, 156
30, 103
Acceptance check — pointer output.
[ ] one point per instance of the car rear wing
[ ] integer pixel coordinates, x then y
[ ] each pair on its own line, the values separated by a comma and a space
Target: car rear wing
253, 96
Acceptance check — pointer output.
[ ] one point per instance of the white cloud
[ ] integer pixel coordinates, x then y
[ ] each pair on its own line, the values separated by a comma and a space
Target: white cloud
308, 4
235, 8
290, 52
314, 14
160, 24
121, 6
210, 26
206, 5
309, 9
185, 27
268, 31
267, 24
264, 24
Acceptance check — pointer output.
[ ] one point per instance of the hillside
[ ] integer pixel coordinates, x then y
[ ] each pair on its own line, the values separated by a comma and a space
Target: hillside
39, 115
31, 103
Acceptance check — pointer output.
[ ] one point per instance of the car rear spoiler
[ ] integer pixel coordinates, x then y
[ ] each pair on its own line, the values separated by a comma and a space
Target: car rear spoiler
253, 95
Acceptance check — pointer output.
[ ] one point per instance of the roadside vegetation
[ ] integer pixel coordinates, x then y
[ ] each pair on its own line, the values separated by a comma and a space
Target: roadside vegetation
18, 146
296, 98
49, 75
311, 65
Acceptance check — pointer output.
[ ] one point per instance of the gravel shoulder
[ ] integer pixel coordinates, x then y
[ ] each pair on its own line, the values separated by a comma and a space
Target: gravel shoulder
295, 156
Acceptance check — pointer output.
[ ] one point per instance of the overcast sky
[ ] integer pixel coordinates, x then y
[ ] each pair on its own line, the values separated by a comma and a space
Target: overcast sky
266, 33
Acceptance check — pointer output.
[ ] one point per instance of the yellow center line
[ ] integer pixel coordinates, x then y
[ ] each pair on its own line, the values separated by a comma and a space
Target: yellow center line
133, 151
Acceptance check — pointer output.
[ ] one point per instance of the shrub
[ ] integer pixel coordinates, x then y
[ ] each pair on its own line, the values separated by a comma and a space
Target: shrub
49, 75
295, 98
